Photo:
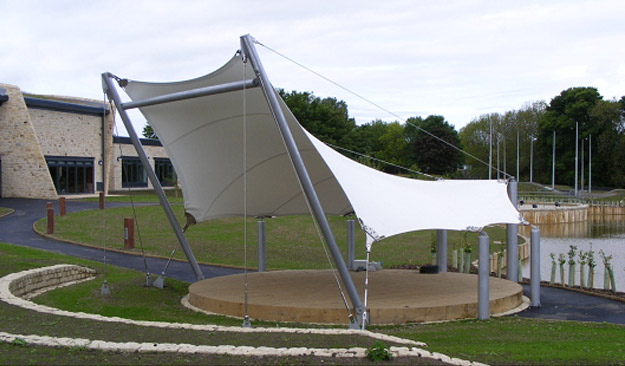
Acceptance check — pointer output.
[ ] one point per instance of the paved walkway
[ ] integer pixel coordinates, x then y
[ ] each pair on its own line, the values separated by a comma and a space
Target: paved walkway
17, 229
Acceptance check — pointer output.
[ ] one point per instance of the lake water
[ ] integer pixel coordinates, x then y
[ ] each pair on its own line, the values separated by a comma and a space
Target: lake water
605, 233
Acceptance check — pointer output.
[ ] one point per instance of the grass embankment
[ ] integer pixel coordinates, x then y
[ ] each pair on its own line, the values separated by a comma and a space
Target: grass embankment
5, 211
497, 341
292, 241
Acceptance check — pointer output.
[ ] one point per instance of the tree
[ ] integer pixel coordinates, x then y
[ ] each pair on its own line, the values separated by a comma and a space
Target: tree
571, 106
327, 119
148, 132
428, 153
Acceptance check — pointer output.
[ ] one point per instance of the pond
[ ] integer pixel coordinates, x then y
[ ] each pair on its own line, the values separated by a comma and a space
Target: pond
605, 233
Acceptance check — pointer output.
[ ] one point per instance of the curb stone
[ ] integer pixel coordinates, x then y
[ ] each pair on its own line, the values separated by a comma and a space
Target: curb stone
7, 296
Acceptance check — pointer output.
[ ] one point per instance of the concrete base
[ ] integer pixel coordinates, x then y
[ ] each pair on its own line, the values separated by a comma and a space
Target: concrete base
312, 296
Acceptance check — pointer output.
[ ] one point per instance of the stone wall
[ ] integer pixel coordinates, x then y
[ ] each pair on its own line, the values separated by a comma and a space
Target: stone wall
550, 214
119, 150
75, 135
36, 281
24, 169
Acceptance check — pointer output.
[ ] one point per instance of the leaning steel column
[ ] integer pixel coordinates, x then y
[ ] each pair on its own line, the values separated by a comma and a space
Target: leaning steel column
247, 46
535, 267
261, 241
512, 231
441, 250
350, 244
483, 292
110, 90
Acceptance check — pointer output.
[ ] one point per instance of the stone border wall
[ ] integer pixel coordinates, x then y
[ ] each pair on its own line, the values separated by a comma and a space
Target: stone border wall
36, 282
550, 214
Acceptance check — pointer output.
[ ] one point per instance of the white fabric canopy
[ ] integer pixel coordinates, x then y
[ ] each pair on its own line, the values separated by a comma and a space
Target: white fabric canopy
206, 142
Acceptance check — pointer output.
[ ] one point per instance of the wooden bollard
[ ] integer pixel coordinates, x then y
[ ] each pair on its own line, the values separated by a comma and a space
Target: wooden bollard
129, 233
50, 218
62, 206
101, 200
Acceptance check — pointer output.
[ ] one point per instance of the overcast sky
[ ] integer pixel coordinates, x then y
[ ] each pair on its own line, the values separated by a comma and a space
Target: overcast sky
456, 58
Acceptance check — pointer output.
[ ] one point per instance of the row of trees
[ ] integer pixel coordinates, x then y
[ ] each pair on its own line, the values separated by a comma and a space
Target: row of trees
601, 132
400, 144
411, 144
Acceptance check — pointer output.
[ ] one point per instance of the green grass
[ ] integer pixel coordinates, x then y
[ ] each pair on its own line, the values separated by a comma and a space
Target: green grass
518, 341
513, 341
173, 196
5, 211
292, 241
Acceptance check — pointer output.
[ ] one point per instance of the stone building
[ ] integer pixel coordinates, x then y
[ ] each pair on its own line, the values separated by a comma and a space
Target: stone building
53, 146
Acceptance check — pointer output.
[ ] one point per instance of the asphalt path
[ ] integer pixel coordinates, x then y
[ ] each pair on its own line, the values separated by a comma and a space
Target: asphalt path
16, 229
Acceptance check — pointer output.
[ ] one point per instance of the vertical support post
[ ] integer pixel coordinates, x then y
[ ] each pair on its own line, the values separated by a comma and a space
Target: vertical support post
483, 292
261, 245
62, 206
110, 90
49, 218
247, 46
576, 153
589, 163
351, 244
490, 150
512, 231
531, 158
518, 167
101, 201
441, 250
129, 233
553, 163
535, 267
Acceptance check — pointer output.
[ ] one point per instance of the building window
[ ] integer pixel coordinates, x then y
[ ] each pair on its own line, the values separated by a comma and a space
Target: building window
164, 172
71, 175
133, 173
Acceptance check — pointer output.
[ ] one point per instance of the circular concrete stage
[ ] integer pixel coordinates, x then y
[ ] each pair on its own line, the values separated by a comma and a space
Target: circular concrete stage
312, 296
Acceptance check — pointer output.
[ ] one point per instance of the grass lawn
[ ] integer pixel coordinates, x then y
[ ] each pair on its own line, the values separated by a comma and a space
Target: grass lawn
5, 211
292, 241
512, 340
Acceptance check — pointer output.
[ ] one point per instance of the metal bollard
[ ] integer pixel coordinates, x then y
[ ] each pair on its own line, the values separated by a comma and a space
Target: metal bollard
129, 233
483, 291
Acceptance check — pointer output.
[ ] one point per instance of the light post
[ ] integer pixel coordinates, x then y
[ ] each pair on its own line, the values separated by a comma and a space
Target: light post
531, 158
517, 156
576, 153
490, 150
498, 138
582, 166
553, 163
589, 163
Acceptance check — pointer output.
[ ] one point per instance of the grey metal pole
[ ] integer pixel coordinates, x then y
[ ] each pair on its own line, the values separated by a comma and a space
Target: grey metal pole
518, 178
483, 307
247, 45
535, 267
512, 231
490, 151
582, 166
531, 158
441, 250
351, 239
576, 153
553, 163
261, 245
589, 163
498, 139
110, 90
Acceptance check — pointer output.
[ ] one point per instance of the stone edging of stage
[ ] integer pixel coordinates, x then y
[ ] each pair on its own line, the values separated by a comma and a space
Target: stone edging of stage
44, 279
